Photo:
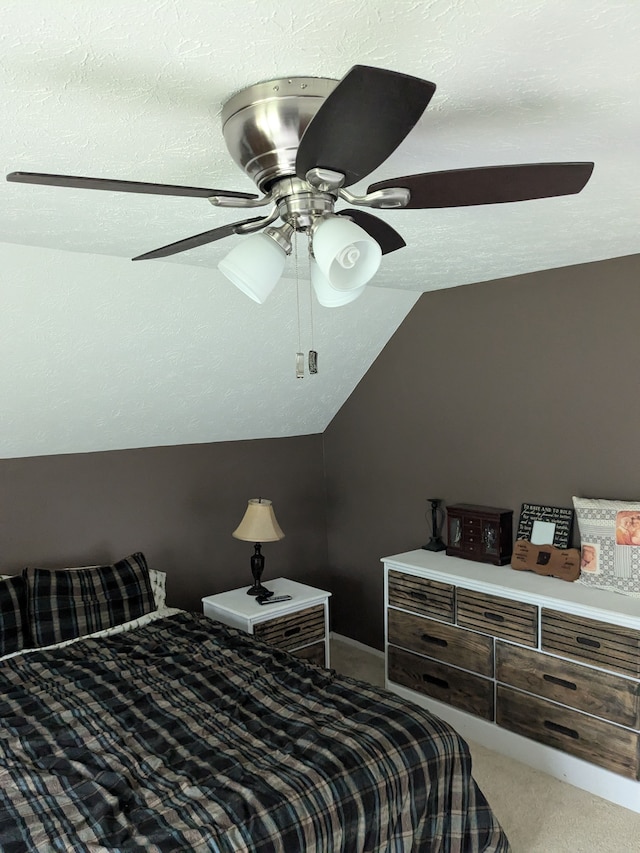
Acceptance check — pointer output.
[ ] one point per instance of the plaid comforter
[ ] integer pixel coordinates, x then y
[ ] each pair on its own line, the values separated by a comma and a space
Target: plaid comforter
186, 735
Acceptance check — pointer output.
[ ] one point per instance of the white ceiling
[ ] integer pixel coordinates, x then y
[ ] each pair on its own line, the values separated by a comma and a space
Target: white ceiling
99, 353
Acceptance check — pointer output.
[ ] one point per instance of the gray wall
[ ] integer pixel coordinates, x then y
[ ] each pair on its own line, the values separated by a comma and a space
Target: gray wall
179, 505
522, 389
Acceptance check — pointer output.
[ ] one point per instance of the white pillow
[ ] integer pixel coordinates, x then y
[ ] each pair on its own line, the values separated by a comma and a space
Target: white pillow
158, 582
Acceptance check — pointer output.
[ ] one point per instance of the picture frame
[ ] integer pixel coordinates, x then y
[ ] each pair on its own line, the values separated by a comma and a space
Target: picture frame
546, 525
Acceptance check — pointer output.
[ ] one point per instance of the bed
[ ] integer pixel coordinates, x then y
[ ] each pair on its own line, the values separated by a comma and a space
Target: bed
168, 731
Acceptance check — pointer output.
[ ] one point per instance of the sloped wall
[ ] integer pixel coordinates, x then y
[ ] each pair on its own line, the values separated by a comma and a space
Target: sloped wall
522, 389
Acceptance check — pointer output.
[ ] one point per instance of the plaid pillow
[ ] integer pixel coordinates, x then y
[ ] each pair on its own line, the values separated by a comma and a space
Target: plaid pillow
14, 634
68, 603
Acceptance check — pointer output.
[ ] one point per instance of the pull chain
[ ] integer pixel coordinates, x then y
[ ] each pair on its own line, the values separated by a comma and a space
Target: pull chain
313, 355
299, 354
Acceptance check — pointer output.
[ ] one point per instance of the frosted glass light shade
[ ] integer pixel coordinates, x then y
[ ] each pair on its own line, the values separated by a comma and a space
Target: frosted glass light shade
347, 256
259, 523
327, 295
254, 266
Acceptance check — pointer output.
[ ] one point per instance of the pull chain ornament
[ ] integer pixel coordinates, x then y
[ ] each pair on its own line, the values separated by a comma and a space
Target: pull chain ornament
299, 354
313, 355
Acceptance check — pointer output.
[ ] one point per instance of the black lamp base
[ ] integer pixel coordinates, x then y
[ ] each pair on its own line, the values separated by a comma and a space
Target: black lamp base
257, 567
258, 590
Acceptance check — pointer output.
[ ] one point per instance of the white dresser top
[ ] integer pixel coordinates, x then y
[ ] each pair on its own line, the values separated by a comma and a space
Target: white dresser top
553, 593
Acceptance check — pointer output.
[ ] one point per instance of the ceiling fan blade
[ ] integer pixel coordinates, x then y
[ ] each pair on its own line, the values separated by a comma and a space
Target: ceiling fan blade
490, 184
362, 121
384, 234
119, 186
196, 240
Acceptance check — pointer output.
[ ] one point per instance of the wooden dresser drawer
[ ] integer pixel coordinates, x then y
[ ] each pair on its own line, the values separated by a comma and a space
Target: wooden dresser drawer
463, 690
313, 654
500, 617
599, 643
571, 731
444, 642
431, 598
295, 629
609, 696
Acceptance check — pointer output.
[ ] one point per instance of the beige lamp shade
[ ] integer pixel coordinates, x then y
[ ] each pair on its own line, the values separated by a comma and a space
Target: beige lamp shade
259, 523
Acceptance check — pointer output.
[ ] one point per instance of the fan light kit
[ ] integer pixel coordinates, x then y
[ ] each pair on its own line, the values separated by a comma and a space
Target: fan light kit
304, 141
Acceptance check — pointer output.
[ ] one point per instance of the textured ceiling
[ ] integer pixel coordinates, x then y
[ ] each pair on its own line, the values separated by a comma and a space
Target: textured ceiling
99, 353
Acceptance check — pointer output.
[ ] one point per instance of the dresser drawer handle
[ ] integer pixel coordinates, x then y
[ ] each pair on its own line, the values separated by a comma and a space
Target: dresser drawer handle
435, 641
439, 682
587, 641
289, 632
561, 682
562, 730
494, 617
420, 596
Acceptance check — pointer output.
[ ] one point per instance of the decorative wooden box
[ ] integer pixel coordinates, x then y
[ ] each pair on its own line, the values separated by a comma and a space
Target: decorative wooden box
481, 533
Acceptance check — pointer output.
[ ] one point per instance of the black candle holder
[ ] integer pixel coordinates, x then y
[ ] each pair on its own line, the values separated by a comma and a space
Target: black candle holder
437, 514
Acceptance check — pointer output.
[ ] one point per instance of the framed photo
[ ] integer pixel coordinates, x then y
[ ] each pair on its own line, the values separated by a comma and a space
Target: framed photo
546, 525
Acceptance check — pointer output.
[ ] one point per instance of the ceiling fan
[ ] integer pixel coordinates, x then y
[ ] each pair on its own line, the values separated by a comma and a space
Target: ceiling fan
304, 141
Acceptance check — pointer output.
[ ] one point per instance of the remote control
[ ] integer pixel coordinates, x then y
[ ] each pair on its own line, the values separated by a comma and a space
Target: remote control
273, 599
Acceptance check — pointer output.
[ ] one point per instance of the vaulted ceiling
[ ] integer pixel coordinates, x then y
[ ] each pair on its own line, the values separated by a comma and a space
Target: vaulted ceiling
98, 353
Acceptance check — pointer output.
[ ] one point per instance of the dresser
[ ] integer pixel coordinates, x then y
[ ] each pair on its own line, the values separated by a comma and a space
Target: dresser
300, 625
537, 668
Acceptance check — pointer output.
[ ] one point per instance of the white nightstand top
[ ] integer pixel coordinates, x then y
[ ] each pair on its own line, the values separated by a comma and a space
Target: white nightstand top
236, 602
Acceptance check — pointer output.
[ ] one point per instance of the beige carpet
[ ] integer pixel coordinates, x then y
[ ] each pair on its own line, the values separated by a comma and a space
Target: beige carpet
539, 813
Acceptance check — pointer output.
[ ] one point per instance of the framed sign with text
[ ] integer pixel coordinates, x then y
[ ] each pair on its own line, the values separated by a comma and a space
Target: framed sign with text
546, 525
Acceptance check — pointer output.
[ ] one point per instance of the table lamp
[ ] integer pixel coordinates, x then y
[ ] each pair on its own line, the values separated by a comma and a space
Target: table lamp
258, 525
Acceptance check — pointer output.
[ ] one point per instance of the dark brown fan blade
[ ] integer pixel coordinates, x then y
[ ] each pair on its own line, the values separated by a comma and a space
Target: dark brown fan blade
196, 240
119, 186
384, 234
490, 184
362, 122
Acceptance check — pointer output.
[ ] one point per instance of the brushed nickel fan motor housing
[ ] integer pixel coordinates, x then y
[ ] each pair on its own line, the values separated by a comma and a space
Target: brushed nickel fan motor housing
263, 125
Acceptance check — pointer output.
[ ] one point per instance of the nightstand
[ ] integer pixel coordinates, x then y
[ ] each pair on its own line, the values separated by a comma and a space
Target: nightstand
300, 626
